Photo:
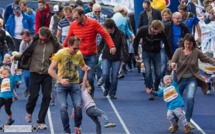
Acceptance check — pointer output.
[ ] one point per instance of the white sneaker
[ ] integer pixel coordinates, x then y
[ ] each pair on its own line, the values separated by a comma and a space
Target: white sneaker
208, 92
41, 126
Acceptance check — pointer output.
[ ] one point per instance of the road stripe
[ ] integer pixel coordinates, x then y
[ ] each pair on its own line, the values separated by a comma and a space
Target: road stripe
117, 113
50, 121
197, 126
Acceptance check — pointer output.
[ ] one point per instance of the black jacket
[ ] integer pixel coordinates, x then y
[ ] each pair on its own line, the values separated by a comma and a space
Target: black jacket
25, 59
119, 40
143, 18
151, 43
168, 30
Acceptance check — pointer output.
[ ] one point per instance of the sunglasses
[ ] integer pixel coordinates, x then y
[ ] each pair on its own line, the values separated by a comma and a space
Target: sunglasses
97, 11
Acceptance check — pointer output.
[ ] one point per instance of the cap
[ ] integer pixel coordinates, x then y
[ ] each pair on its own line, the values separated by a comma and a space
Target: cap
57, 8
16, 8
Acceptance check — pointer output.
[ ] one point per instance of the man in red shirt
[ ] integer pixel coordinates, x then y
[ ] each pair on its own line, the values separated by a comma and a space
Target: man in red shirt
87, 29
42, 15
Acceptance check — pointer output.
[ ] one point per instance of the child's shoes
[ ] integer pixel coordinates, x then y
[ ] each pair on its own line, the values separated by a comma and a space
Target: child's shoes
108, 125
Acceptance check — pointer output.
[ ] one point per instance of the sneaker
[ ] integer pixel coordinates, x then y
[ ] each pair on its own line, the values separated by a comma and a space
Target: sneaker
173, 129
187, 129
113, 97
100, 82
120, 76
191, 126
105, 92
28, 118
77, 130
208, 92
108, 125
151, 97
41, 126
26, 91
10, 122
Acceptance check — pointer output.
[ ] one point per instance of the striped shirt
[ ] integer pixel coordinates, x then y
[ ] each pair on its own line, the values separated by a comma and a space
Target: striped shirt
63, 26
101, 19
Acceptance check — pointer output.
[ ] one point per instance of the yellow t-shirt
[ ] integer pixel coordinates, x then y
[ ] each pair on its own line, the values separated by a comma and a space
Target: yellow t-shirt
68, 64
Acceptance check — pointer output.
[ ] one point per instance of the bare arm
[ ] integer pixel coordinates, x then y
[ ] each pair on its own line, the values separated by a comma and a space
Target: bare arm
59, 35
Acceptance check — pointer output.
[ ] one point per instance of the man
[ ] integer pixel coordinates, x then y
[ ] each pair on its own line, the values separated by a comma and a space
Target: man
24, 7
191, 21
101, 18
16, 23
87, 29
53, 26
211, 16
9, 9
42, 15
175, 30
191, 7
151, 38
148, 15
36, 59
67, 60
63, 25
26, 40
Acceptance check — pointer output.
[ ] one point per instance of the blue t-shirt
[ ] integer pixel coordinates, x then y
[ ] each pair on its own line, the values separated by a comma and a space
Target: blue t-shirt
176, 32
7, 86
191, 22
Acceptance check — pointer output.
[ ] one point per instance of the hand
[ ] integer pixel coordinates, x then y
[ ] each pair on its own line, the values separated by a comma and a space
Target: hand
12, 59
148, 90
131, 38
113, 50
137, 57
173, 65
87, 69
73, 114
65, 82
16, 98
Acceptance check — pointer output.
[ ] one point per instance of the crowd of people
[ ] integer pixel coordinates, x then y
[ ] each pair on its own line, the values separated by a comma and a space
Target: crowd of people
60, 47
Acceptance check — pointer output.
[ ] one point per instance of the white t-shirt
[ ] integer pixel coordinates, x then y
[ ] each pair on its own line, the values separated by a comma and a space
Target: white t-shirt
18, 27
86, 99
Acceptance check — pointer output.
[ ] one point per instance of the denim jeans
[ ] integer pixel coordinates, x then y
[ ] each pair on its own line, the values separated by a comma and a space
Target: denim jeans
110, 68
148, 60
163, 63
26, 77
190, 84
91, 62
37, 82
75, 93
94, 113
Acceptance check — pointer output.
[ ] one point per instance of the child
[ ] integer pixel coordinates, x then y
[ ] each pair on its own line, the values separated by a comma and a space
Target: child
6, 91
90, 107
174, 103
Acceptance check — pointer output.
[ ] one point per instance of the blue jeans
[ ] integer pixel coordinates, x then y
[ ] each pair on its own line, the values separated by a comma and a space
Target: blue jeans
75, 93
91, 62
163, 63
26, 77
148, 59
94, 113
190, 84
110, 68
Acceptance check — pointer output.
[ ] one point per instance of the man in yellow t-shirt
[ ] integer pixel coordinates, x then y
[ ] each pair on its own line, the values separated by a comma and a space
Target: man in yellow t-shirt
67, 61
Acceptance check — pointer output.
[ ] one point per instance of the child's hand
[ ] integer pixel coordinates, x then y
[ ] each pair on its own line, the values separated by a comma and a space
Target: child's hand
148, 90
16, 98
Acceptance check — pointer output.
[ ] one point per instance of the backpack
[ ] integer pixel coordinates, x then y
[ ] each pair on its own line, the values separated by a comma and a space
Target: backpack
191, 7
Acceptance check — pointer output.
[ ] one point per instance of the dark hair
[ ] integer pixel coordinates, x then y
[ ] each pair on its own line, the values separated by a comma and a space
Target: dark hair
80, 3
44, 31
109, 23
42, 2
187, 37
73, 39
148, 3
80, 10
26, 32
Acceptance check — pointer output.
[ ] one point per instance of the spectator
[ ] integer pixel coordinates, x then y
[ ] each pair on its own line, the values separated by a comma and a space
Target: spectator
67, 60
211, 16
43, 15
88, 47
16, 23
37, 62
9, 10
56, 18
148, 15
186, 57
191, 7
24, 7
63, 25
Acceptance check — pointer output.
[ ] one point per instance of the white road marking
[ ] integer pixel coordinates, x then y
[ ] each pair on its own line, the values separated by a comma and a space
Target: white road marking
50, 121
117, 113
197, 126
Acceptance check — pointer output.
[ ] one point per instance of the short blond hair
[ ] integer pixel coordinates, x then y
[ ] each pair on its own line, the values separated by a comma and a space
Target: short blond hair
166, 10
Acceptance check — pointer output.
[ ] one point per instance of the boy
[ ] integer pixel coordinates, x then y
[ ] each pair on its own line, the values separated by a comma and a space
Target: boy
90, 107
174, 103
7, 92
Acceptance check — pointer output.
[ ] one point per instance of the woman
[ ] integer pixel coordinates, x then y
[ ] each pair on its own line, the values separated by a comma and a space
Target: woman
111, 63
166, 17
186, 57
